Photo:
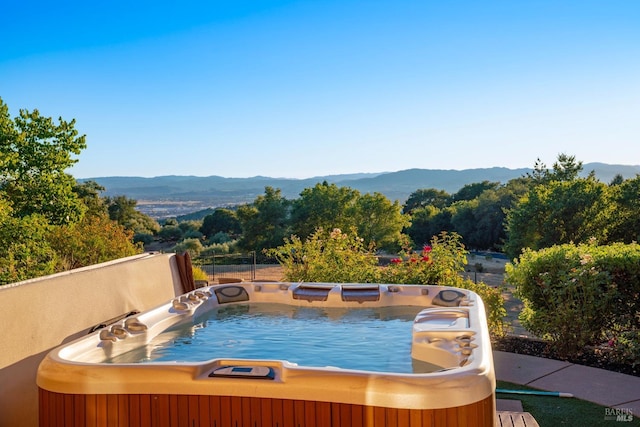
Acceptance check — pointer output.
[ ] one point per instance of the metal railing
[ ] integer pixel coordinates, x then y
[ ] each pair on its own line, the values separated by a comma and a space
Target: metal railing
240, 266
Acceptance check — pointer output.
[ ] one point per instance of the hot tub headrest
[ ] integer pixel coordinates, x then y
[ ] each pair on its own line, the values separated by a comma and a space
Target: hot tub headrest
449, 298
360, 293
232, 293
312, 292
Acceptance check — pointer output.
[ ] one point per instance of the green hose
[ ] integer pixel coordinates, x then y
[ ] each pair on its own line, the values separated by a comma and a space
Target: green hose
535, 392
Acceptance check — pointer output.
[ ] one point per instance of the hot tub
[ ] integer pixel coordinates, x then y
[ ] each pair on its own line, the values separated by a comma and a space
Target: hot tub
96, 380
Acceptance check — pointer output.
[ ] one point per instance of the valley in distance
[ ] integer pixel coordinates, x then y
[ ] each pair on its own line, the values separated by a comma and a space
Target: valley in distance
176, 196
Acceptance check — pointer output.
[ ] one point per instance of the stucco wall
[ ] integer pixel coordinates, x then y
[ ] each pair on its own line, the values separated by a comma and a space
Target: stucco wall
40, 314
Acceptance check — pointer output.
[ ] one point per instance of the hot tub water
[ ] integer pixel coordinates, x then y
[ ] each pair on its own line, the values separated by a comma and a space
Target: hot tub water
370, 339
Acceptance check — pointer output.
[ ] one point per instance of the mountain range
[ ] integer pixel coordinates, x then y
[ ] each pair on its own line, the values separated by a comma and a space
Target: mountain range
173, 195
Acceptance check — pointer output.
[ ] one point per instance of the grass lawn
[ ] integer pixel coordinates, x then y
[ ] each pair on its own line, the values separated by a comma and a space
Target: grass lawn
562, 411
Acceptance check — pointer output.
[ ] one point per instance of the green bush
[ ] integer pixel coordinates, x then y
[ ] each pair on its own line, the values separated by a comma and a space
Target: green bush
332, 257
338, 257
625, 348
219, 249
25, 248
439, 263
220, 237
578, 295
193, 246
192, 234
144, 238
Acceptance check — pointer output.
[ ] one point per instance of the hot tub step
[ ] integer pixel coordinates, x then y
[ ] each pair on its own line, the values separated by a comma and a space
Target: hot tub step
515, 419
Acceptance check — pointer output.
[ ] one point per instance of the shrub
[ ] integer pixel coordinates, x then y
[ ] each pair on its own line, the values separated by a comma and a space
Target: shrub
93, 240
442, 263
193, 246
170, 233
578, 295
439, 263
219, 249
333, 257
199, 273
24, 248
220, 237
144, 238
625, 348
192, 234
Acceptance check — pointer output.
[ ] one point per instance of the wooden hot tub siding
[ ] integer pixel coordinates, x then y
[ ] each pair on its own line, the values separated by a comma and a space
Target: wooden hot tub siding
162, 410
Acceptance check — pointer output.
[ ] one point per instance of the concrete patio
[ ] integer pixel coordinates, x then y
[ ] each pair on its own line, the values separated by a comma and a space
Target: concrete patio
606, 388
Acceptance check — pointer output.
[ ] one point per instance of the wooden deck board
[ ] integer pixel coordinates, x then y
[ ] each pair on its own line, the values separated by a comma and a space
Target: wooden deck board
515, 419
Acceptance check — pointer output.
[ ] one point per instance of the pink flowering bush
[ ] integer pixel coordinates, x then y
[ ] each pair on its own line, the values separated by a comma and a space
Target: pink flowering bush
439, 263
442, 262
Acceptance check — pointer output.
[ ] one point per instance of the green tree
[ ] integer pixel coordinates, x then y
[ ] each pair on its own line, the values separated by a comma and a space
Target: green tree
93, 240
489, 232
539, 174
324, 206
558, 212
48, 222
265, 222
463, 220
474, 190
191, 229
481, 221
625, 224
34, 154
25, 251
170, 232
221, 220
89, 193
426, 197
123, 210
380, 222
566, 168
428, 222
616, 180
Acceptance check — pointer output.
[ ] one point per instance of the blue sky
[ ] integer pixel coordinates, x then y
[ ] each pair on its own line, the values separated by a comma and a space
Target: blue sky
307, 88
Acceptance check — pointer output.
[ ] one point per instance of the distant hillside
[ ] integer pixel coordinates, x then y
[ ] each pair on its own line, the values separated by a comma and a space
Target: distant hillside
177, 195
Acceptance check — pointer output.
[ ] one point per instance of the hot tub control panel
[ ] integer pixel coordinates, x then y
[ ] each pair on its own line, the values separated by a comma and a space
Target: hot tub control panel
255, 372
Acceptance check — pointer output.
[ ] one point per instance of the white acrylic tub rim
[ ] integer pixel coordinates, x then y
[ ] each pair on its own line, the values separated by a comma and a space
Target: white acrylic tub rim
450, 331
